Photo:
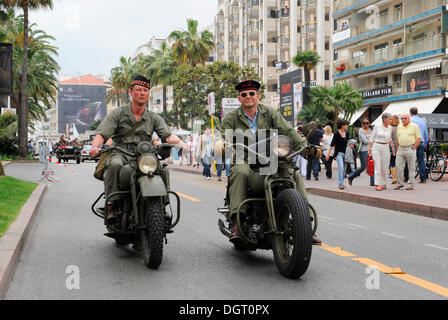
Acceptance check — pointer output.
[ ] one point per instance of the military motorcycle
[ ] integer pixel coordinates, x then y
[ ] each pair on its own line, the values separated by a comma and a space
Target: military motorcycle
144, 212
277, 216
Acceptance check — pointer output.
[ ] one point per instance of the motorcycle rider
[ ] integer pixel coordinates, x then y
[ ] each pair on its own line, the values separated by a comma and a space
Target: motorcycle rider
121, 121
253, 116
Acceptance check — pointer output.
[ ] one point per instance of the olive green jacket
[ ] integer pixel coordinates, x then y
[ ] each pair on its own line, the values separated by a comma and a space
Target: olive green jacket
268, 118
121, 120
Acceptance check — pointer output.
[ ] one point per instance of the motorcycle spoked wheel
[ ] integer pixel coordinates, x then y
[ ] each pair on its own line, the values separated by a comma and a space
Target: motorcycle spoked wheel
152, 236
292, 249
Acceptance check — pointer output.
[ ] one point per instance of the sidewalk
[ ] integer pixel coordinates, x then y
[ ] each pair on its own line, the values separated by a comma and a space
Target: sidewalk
429, 200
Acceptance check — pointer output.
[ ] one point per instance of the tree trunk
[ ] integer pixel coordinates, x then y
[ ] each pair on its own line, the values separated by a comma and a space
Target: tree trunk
2, 170
23, 110
164, 106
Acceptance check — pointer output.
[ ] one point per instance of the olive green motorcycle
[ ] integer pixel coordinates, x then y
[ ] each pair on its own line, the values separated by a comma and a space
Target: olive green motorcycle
275, 216
144, 213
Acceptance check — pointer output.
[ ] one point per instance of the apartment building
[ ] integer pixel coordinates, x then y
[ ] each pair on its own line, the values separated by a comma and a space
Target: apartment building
394, 52
267, 34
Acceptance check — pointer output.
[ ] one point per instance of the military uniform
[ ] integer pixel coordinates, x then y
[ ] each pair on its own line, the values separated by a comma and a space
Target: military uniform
116, 125
240, 174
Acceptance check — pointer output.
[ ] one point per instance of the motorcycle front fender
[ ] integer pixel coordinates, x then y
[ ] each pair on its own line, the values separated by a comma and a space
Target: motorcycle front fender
152, 186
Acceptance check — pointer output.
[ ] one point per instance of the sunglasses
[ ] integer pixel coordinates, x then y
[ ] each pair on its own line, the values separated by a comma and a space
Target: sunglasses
244, 94
403, 118
366, 123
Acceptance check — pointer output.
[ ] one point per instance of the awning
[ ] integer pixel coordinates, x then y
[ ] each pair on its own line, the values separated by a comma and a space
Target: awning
358, 114
423, 65
424, 105
379, 72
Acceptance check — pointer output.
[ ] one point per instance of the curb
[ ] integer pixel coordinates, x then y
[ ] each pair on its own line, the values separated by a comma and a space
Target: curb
5, 163
396, 205
13, 241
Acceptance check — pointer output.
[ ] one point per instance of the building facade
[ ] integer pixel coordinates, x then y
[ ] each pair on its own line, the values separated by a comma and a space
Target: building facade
394, 52
267, 34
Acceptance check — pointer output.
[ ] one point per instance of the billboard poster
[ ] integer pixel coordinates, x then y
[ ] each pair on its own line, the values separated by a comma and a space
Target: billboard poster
287, 106
80, 106
228, 105
418, 84
298, 100
5, 68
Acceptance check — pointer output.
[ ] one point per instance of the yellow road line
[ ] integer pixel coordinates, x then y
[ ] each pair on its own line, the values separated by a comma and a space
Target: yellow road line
188, 197
394, 272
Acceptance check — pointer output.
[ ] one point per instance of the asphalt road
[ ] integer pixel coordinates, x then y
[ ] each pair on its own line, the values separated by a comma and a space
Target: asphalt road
200, 263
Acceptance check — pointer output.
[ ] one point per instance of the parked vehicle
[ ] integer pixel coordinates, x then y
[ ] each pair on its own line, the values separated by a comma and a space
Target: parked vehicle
277, 216
85, 153
144, 214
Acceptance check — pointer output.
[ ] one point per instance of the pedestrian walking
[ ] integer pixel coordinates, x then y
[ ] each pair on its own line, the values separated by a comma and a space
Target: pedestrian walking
197, 150
424, 142
393, 169
190, 155
206, 150
327, 138
379, 149
408, 139
339, 144
301, 162
349, 157
314, 139
365, 134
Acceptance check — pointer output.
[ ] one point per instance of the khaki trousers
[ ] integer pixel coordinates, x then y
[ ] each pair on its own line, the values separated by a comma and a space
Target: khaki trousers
241, 176
381, 158
409, 156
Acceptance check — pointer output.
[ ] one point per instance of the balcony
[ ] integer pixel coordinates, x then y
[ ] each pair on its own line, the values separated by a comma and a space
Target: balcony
395, 17
433, 85
388, 55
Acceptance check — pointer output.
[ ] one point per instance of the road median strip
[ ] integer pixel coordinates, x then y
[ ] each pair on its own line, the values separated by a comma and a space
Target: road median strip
394, 272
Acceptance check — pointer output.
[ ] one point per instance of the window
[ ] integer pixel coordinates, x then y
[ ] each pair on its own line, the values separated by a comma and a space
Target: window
327, 74
327, 45
381, 81
381, 53
397, 12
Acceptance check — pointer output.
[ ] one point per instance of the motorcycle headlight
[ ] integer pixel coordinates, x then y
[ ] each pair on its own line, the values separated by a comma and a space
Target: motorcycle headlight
281, 146
147, 163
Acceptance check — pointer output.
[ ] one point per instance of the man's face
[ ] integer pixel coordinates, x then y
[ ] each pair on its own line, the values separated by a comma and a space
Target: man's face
249, 98
139, 94
405, 119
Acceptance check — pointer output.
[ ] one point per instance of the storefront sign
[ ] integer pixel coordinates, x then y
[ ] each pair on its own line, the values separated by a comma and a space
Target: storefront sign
377, 92
419, 84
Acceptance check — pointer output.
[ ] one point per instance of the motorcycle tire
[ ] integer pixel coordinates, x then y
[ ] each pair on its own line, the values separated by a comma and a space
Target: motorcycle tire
292, 249
152, 236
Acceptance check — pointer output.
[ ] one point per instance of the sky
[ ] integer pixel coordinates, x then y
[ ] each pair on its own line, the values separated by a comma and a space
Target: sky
91, 35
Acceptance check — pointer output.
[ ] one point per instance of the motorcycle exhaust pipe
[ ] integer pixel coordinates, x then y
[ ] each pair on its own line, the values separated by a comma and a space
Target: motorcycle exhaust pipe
223, 228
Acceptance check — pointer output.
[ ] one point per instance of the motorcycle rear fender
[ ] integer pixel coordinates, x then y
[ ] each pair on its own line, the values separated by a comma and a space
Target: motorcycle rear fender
152, 186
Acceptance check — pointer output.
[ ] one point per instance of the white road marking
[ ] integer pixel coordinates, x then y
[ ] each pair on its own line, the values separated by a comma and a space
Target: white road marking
324, 218
355, 225
435, 246
392, 235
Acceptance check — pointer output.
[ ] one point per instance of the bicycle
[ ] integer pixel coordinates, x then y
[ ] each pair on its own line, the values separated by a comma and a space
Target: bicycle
438, 166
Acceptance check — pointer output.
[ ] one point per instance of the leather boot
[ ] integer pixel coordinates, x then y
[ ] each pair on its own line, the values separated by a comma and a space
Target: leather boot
393, 171
316, 240
235, 235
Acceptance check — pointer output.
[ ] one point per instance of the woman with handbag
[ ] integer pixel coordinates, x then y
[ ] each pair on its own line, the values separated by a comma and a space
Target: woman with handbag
339, 144
379, 149
364, 138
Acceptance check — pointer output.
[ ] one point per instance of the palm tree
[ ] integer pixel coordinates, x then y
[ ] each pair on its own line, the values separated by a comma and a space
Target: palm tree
334, 100
161, 71
190, 46
119, 81
26, 5
306, 60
